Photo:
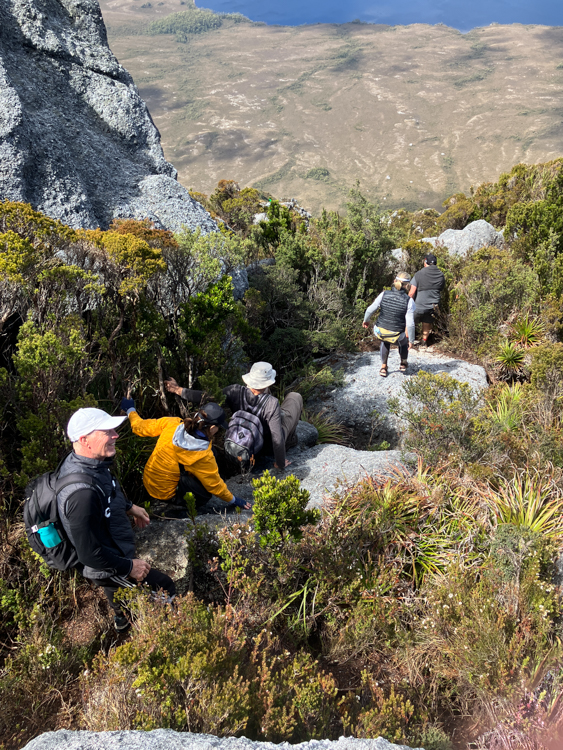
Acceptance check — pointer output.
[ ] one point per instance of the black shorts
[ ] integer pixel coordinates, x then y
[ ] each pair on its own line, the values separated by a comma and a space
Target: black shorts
426, 316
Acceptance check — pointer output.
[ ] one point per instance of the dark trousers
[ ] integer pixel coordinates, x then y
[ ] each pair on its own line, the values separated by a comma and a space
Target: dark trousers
385, 348
155, 579
291, 409
190, 483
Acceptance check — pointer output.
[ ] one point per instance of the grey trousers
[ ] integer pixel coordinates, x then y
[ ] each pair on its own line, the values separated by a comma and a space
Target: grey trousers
291, 409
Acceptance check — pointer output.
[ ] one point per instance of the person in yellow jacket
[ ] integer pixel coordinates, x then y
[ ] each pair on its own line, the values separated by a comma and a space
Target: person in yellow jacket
182, 460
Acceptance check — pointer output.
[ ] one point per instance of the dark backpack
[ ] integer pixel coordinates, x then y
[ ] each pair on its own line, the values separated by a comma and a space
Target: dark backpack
45, 531
244, 437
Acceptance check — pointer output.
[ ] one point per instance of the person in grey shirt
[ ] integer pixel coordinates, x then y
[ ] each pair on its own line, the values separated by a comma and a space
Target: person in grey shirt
426, 289
280, 421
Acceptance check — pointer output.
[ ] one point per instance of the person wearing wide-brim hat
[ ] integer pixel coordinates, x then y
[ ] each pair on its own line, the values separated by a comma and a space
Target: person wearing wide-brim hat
279, 420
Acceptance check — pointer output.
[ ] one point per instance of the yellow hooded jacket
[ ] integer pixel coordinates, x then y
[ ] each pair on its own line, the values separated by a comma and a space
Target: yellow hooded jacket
175, 446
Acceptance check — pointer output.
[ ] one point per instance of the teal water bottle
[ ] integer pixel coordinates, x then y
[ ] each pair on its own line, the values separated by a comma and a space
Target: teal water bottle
49, 536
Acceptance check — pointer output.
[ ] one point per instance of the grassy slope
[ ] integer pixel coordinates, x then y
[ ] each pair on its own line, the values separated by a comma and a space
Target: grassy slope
434, 110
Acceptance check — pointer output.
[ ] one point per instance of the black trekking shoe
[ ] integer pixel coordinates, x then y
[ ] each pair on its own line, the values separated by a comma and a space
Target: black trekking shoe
121, 623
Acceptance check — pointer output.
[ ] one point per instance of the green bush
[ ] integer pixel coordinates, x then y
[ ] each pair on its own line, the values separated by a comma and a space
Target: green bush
321, 174
279, 508
195, 669
441, 415
492, 286
192, 21
547, 368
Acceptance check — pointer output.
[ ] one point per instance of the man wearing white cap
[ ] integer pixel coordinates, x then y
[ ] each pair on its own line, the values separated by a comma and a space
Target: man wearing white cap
97, 516
280, 421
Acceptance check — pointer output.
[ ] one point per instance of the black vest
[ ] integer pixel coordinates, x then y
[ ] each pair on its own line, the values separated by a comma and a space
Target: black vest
393, 310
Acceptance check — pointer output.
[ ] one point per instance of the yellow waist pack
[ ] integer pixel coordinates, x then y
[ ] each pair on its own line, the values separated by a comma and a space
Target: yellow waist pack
390, 337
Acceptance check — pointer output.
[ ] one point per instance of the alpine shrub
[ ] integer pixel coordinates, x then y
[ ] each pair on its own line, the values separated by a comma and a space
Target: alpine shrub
279, 508
441, 414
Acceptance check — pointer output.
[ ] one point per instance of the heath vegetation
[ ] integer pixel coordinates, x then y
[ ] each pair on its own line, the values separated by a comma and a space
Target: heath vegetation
425, 608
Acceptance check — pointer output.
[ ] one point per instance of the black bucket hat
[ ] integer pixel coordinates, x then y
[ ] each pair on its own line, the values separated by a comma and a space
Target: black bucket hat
213, 414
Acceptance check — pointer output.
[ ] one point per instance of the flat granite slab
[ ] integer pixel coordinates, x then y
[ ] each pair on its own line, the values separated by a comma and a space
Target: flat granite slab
327, 468
167, 739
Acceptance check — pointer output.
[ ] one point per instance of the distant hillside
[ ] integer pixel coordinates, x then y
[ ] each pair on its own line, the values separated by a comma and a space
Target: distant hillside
415, 113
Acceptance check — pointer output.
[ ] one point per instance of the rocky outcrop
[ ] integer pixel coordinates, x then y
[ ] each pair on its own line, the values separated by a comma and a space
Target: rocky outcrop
475, 235
362, 404
323, 470
328, 469
76, 139
167, 739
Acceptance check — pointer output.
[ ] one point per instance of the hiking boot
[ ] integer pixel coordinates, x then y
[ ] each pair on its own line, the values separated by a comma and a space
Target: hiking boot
121, 623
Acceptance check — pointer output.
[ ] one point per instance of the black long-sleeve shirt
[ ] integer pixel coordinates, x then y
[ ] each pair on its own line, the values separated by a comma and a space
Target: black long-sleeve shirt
96, 522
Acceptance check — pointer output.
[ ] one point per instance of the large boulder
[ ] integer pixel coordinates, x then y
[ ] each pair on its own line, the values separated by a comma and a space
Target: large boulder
362, 403
475, 235
167, 739
76, 139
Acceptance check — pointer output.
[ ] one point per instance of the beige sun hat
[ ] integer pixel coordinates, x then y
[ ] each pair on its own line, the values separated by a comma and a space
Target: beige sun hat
261, 375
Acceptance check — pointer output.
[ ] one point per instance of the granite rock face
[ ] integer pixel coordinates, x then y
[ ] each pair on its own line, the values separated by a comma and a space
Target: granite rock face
362, 403
328, 469
475, 235
167, 739
76, 139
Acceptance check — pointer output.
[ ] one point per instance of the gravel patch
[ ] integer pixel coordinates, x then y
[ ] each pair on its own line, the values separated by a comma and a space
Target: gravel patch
362, 403
327, 469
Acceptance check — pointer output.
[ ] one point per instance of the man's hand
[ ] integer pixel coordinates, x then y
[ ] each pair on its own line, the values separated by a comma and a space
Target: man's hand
140, 516
365, 325
140, 569
171, 385
286, 464
411, 345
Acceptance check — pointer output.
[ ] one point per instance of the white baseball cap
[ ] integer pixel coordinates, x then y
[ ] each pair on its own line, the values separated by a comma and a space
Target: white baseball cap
85, 421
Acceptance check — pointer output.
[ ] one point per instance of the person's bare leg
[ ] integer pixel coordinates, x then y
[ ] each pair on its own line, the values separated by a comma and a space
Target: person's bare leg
426, 331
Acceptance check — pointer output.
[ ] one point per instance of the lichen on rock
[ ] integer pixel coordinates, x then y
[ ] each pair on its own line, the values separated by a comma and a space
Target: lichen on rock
77, 142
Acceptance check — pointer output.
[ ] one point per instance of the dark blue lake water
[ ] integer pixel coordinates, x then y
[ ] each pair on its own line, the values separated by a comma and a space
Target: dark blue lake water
459, 14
